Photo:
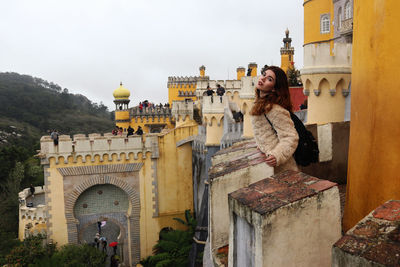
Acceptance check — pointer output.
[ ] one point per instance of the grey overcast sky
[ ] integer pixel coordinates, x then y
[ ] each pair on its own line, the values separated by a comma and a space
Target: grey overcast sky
89, 46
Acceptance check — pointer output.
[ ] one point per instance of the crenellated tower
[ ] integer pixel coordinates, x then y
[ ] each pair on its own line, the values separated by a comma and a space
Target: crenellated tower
287, 53
184, 88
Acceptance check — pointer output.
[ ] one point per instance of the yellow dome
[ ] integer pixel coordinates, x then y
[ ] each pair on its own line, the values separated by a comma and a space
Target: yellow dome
121, 93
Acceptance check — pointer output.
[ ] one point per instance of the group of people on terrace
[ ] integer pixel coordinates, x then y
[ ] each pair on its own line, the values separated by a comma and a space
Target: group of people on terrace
130, 131
148, 105
220, 92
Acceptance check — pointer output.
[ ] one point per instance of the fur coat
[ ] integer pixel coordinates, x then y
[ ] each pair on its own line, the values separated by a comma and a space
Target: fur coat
281, 144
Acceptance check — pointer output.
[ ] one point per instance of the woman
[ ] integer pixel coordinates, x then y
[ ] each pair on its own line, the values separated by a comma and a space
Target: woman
273, 128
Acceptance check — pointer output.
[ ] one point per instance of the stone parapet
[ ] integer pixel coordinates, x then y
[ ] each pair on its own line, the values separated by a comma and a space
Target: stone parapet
32, 219
248, 87
234, 168
182, 109
150, 112
97, 145
320, 58
289, 219
216, 106
372, 242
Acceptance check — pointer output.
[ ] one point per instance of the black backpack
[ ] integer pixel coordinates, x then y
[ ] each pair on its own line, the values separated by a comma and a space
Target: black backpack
307, 149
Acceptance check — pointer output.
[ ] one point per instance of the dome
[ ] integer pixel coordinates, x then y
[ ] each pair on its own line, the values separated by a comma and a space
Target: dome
121, 93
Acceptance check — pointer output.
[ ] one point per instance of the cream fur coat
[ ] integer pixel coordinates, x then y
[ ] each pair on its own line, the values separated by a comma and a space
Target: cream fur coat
281, 144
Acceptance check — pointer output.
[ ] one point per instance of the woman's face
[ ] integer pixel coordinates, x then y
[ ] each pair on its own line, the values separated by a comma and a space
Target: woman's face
266, 82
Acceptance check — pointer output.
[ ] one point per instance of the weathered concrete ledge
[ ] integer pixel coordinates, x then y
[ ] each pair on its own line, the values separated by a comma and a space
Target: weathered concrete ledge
374, 241
288, 219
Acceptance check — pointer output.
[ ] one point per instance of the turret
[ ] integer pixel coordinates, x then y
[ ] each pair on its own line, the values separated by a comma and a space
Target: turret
202, 71
240, 72
121, 100
287, 53
252, 69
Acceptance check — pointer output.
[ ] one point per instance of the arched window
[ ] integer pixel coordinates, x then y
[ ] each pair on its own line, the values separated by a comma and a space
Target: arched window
340, 18
347, 10
325, 22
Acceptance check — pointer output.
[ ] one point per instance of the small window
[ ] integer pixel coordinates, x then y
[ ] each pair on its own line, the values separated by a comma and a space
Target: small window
347, 10
340, 18
325, 23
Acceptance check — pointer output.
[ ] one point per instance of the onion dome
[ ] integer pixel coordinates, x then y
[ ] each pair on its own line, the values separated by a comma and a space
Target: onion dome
121, 92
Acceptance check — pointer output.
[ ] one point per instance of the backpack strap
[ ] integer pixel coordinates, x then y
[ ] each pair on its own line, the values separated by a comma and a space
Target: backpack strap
265, 115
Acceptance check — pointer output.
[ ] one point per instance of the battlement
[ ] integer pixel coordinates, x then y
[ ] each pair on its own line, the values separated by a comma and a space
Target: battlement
215, 106
150, 112
181, 82
97, 145
321, 58
227, 84
182, 109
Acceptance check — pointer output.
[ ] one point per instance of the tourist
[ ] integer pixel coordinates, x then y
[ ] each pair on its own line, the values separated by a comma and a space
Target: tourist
54, 137
220, 91
139, 131
97, 240
130, 131
273, 127
32, 190
210, 92
120, 130
115, 130
99, 227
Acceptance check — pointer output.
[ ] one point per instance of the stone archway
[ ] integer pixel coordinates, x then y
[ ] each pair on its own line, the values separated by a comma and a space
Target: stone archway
133, 218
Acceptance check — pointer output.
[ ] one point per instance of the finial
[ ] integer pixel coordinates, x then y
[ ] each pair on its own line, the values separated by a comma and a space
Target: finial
287, 32
120, 83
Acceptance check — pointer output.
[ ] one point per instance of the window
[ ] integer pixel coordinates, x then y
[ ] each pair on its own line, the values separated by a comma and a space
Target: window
347, 10
340, 18
325, 23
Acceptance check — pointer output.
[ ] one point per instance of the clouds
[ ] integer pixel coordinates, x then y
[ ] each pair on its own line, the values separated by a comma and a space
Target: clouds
90, 46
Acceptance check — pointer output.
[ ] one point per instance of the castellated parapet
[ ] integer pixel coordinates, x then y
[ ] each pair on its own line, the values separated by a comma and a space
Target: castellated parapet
216, 106
181, 109
98, 145
321, 59
183, 82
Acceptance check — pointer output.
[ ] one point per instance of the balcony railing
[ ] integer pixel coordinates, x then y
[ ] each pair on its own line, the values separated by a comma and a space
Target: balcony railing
347, 27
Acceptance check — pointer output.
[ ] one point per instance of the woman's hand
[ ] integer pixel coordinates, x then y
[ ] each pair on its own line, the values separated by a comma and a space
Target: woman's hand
271, 160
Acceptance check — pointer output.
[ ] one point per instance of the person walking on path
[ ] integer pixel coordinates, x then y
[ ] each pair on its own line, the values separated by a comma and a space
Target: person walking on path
273, 127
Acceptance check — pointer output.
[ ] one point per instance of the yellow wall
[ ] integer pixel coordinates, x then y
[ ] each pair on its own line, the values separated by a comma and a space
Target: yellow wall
135, 123
174, 172
326, 108
240, 73
285, 62
173, 92
215, 129
373, 174
313, 9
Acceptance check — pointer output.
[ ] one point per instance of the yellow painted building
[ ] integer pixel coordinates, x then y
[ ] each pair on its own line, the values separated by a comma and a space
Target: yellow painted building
326, 74
373, 176
150, 119
136, 185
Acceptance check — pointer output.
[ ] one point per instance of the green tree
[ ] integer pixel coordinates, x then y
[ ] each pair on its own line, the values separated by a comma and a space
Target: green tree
31, 250
293, 77
79, 255
173, 247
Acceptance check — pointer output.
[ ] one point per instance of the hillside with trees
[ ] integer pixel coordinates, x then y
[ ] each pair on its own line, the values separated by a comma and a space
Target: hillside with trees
29, 108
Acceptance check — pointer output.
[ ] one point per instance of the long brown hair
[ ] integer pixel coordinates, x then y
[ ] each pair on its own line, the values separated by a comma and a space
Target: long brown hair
278, 96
